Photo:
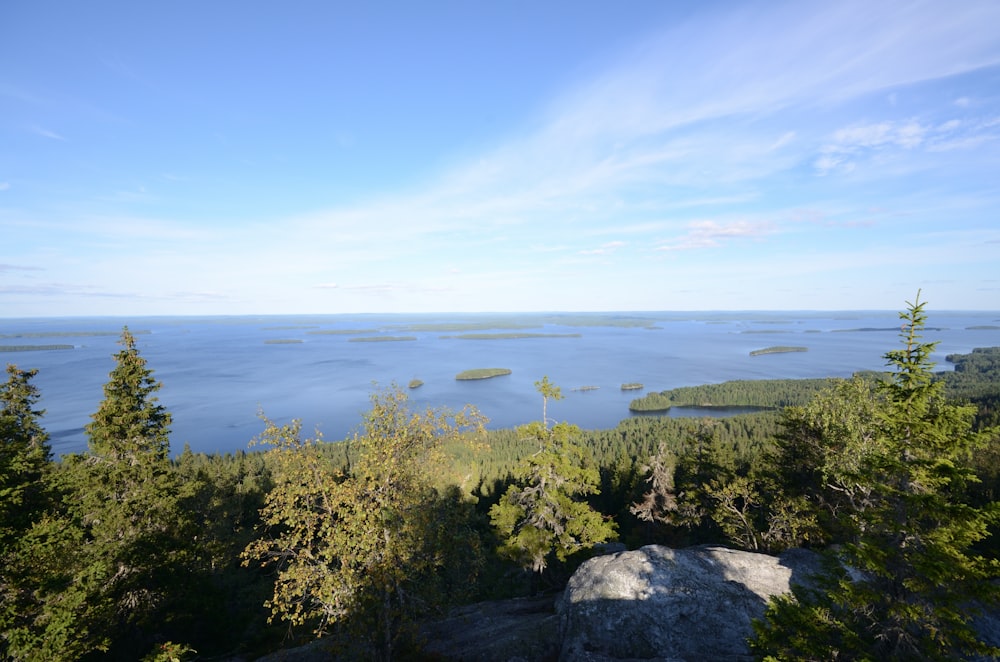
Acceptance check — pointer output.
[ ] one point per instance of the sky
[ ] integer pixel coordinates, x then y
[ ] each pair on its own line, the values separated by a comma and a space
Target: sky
202, 158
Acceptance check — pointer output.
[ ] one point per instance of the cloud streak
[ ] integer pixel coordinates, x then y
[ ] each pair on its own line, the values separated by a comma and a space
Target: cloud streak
605, 249
711, 234
46, 133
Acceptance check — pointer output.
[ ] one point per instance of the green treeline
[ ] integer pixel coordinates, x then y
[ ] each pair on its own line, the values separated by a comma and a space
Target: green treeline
122, 552
632, 441
738, 393
974, 380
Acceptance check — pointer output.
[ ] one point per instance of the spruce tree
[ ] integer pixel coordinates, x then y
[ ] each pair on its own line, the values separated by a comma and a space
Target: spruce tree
25, 498
130, 423
907, 581
544, 516
24, 455
125, 498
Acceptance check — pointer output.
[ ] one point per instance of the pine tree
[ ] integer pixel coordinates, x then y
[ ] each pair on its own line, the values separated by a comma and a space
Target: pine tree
914, 580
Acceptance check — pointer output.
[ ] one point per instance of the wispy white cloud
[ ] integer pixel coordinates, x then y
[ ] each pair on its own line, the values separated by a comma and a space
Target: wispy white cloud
850, 141
903, 134
849, 144
392, 288
19, 94
56, 289
92, 292
197, 296
785, 139
116, 64
4, 186
965, 134
18, 267
712, 234
139, 194
141, 228
604, 249
46, 133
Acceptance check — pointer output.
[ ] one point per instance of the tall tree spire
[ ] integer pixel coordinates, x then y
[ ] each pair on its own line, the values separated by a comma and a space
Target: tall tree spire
130, 419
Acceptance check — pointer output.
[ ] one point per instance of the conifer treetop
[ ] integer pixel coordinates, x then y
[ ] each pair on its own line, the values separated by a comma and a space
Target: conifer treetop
130, 418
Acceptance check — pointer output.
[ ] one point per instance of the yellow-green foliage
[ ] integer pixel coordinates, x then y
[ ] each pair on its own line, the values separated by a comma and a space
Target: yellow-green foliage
366, 546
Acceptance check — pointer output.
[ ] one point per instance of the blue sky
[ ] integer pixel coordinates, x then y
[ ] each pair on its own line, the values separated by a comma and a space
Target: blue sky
333, 157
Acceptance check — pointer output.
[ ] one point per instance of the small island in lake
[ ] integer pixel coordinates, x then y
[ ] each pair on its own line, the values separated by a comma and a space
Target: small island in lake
586, 388
632, 386
482, 373
780, 349
415, 383
283, 341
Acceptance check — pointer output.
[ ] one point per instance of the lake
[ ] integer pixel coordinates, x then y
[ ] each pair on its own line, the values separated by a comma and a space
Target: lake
218, 371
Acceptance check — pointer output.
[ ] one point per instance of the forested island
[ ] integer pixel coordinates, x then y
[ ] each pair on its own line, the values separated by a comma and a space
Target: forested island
778, 349
128, 552
482, 373
764, 393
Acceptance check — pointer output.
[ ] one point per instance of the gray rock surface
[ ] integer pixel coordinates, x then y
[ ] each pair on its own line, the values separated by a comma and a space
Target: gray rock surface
519, 630
650, 604
657, 603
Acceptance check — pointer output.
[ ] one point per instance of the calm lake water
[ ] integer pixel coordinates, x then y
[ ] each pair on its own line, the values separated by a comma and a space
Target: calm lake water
217, 372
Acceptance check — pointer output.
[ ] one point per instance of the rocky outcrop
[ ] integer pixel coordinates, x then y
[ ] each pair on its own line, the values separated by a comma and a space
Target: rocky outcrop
650, 604
519, 630
657, 603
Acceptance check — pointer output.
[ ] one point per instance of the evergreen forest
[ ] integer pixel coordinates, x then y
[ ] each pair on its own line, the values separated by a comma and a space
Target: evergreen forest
133, 551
